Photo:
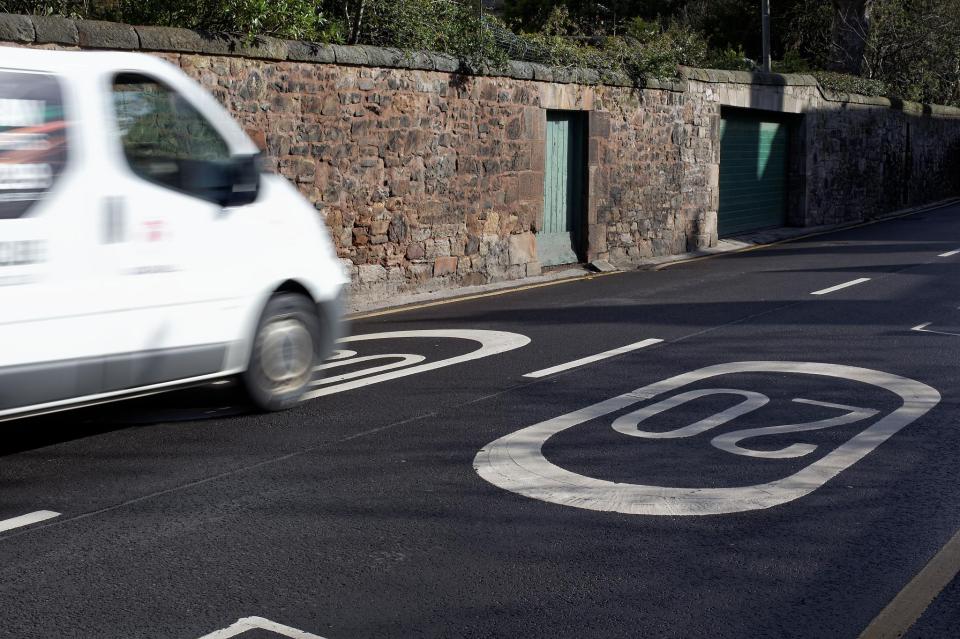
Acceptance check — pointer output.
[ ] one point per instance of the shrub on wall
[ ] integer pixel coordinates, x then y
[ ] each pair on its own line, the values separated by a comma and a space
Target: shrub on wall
294, 19
844, 83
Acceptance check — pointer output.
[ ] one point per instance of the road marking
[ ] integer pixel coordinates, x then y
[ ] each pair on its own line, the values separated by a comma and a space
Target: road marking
729, 442
405, 360
824, 291
26, 520
516, 462
491, 343
901, 613
949, 253
922, 328
259, 623
594, 358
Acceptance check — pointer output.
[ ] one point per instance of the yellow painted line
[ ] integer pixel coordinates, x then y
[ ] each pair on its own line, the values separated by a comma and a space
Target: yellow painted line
465, 298
901, 613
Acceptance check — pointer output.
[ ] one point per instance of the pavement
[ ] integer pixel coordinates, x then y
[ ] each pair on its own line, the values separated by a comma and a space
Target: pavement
758, 444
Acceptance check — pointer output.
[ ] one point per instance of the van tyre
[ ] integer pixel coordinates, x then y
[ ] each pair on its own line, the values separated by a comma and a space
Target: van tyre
284, 352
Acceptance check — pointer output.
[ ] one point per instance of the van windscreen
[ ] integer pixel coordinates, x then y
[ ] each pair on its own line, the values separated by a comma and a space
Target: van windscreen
33, 145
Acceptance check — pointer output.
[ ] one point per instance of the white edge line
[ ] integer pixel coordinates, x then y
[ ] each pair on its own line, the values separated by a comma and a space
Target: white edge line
251, 623
824, 291
593, 358
949, 253
26, 520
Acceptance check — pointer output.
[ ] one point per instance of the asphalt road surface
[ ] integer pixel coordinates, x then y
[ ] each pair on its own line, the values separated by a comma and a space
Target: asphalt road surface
752, 460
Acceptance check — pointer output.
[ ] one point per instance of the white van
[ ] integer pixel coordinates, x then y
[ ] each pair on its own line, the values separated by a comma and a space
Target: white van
141, 247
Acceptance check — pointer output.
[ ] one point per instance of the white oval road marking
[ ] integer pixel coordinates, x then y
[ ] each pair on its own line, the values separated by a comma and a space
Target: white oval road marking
340, 354
259, 623
949, 253
405, 360
26, 520
824, 291
516, 462
491, 343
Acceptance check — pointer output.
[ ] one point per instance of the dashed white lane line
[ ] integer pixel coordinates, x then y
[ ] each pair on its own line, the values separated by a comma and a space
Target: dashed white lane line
26, 520
824, 291
259, 623
593, 358
949, 253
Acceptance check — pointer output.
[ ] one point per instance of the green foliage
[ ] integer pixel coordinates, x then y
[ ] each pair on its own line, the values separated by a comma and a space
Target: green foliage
644, 49
844, 83
731, 59
913, 46
792, 62
910, 50
447, 26
295, 19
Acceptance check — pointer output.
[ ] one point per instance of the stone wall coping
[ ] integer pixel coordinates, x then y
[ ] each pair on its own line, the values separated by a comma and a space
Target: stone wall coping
96, 34
721, 76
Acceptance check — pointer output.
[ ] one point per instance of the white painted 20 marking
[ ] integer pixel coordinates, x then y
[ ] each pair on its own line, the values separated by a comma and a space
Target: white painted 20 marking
516, 461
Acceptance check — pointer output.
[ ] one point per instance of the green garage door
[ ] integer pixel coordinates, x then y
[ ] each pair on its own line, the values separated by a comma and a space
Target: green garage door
753, 173
558, 241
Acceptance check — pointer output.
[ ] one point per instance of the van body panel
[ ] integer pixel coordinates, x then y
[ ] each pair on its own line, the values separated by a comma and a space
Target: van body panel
116, 280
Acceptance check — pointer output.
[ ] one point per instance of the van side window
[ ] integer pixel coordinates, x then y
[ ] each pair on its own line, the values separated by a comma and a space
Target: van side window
165, 139
33, 140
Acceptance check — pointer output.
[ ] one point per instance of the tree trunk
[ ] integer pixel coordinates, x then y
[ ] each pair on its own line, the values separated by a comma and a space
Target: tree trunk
851, 28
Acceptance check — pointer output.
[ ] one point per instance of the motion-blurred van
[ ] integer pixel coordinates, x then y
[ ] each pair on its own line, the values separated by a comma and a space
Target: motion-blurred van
141, 247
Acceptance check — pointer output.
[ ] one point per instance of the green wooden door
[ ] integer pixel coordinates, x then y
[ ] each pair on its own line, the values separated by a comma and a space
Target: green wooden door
753, 173
558, 241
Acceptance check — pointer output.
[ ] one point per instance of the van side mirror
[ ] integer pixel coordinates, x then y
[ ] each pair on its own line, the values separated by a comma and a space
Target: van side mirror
244, 183
234, 181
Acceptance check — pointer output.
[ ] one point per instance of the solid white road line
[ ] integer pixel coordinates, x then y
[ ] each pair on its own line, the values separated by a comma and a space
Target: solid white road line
949, 253
910, 603
26, 520
593, 358
824, 291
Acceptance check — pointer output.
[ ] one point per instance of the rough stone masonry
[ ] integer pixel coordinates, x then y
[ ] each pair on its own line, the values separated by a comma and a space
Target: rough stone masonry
430, 178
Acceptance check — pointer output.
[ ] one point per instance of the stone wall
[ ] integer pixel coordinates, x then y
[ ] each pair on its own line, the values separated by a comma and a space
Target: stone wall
429, 177
855, 157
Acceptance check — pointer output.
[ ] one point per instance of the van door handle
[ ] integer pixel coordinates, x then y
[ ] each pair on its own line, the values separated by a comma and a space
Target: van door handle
113, 220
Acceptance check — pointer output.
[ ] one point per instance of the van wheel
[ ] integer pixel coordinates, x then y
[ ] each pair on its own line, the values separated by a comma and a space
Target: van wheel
284, 352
